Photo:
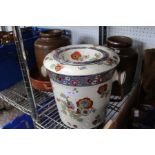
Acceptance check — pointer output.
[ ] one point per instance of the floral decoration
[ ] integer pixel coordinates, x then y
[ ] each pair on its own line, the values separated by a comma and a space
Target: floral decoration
74, 82
99, 78
97, 55
59, 78
58, 67
76, 55
75, 126
111, 61
89, 80
67, 78
97, 120
103, 90
64, 82
86, 103
67, 107
81, 81
74, 91
85, 106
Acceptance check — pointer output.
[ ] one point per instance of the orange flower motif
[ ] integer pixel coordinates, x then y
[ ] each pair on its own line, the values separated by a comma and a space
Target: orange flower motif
85, 103
76, 55
58, 67
102, 89
110, 61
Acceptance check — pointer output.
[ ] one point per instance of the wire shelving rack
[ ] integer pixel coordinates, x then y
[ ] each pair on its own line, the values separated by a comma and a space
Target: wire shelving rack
41, 105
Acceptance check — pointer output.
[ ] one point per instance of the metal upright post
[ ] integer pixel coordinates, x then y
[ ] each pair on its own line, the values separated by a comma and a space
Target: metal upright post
25, 70
4, 28
102, 35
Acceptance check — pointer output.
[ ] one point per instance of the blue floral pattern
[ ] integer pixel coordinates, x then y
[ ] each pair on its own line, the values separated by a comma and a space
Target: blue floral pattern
81, 81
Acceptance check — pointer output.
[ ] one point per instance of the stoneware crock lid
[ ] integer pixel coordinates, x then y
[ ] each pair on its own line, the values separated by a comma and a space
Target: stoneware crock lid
81, 60
119, 42
51, 33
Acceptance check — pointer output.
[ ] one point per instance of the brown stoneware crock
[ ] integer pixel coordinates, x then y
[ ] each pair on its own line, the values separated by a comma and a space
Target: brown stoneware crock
49, 40
122, 45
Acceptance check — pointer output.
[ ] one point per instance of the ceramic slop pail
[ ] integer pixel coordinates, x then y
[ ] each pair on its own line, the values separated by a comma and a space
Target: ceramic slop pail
81, 76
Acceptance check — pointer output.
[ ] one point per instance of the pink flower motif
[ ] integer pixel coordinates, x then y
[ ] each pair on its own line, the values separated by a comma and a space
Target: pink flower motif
74, 82
59, 78
99, 80
89, 80
70, 107
77, 62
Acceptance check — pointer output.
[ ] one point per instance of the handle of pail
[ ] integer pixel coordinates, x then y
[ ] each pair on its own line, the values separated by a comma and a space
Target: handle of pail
120, 77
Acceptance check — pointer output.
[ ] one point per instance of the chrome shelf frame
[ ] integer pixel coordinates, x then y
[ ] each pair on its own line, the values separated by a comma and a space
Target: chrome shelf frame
25, 70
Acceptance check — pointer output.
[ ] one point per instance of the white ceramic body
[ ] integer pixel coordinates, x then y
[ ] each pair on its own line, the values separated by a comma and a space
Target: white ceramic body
69, 116
81, 99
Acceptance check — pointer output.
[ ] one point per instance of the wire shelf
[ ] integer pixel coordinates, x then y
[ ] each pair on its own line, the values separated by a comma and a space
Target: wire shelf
48, 117
16, 96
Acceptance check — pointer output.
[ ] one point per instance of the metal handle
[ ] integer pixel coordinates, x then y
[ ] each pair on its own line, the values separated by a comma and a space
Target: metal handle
120, 77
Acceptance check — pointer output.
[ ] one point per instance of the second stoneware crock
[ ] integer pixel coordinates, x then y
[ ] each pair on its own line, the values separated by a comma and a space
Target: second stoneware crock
81, 77
122, 45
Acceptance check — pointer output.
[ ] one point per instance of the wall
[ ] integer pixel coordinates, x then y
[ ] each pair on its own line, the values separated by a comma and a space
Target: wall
140, 34
82, 34
90, 34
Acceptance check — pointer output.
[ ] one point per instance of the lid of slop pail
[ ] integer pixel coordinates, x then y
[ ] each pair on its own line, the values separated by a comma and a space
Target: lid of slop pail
81, 60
